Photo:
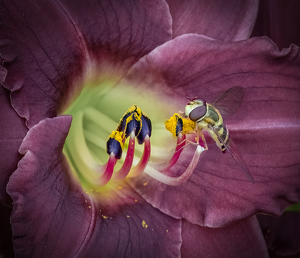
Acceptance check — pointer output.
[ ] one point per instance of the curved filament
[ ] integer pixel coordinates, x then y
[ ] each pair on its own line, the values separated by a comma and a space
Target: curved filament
124, 170
176, 180
139, 168
108, 170
179, 148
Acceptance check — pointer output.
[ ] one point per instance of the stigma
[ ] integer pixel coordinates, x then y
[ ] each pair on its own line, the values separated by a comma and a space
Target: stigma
134, 125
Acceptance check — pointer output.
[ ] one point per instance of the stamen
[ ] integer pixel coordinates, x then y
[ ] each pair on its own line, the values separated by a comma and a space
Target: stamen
139, 168
109, 169
115, 144
181, 140
179, 127
135, 124
178, 124
124, 170
176, 180
131, 121
146, 129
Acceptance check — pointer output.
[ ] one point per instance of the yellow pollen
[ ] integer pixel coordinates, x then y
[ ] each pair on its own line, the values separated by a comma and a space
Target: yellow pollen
117, 136
128, 216
104, 217
144, 224
145, 183
188, 126
136, 114
136, 109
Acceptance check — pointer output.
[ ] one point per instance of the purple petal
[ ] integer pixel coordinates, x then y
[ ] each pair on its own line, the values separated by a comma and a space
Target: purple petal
121, 31
223, 20
134, 229
240, 239
53, 217
280, 21
12, 132
3, 73
55, 42
282, 234
266, 128
10, 137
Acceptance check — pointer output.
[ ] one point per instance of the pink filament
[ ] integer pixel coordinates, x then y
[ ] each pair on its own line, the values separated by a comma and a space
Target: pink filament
124, 170
109, 169
139, 168
176, 180
179, 148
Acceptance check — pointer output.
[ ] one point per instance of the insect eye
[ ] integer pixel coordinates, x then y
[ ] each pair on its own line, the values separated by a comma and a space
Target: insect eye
197, 113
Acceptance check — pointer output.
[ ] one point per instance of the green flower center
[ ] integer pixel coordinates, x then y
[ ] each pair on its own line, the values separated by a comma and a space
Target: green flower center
99, 130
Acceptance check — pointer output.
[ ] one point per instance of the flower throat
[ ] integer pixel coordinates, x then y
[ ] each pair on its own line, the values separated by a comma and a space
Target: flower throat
133, 127
135, 124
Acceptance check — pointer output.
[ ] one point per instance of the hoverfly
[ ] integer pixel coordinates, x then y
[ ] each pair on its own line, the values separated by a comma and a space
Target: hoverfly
209, 117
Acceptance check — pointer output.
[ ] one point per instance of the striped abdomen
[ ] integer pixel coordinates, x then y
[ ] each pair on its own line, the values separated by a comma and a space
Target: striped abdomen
216, 127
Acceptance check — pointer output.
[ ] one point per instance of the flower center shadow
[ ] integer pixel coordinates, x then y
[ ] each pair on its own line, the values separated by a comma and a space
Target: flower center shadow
98, 114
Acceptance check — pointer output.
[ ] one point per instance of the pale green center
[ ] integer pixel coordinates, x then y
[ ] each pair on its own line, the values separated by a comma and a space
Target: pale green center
96, 113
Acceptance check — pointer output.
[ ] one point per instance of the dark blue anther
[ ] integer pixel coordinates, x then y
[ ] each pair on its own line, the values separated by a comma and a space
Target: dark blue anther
113, 146
179, 125
145, 130
134, 124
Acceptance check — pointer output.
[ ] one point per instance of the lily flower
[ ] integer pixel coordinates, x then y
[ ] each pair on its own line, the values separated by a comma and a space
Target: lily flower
82, 80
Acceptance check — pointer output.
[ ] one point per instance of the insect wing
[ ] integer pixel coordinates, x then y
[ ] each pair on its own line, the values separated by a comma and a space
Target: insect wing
229, 102
233, 151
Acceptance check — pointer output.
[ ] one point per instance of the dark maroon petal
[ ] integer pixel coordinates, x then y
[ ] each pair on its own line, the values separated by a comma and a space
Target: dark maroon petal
282, 234
280, 21
3, 73
240, 239
266, 128
53, 217
223, 20
6, 246
12, 132
48, 56
55, 42
120, 31
272, 255
10, 136
128, 226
